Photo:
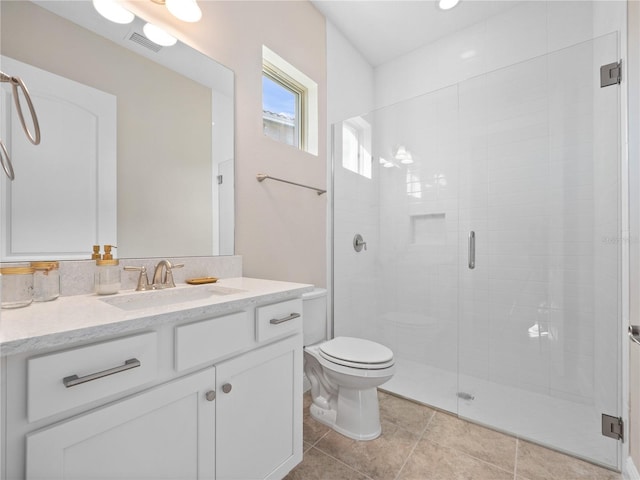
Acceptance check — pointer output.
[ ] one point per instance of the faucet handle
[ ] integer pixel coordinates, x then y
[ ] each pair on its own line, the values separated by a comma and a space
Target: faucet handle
169, 282
143, 279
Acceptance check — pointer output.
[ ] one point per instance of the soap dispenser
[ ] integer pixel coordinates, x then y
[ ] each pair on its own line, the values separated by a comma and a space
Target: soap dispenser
107, 276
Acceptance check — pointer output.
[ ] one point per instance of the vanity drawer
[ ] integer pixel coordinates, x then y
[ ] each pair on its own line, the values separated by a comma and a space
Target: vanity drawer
64, 380
278, 319
205, 341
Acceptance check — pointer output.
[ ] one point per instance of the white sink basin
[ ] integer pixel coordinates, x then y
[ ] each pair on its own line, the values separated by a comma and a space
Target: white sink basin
170, 296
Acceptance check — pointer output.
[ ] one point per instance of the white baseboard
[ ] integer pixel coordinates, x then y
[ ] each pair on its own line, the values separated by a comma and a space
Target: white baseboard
629, 471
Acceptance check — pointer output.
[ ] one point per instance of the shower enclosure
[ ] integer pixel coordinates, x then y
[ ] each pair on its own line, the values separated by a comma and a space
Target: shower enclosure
491, 215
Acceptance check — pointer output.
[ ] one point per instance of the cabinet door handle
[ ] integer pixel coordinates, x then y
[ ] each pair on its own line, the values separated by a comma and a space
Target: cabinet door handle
226, 388
74, 380
276, 321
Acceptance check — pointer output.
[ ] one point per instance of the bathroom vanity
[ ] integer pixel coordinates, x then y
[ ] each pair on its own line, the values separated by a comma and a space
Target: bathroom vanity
200, 382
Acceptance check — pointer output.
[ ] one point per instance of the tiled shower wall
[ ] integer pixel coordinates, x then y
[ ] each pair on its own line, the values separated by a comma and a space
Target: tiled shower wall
506, 147
528, 30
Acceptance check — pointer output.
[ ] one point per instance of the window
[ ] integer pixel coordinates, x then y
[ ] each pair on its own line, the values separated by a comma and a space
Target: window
356, 146
283, 102
289, 104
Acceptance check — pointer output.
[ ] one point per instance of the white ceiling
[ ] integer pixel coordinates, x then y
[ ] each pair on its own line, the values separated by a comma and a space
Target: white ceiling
385, 29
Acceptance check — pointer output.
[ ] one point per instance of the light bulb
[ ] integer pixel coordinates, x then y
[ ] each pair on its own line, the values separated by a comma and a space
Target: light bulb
401, 153
447, 4
111, 10
185, 10
158, 35
408, 159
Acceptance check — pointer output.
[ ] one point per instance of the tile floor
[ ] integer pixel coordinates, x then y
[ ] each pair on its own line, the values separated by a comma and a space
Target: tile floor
420, 443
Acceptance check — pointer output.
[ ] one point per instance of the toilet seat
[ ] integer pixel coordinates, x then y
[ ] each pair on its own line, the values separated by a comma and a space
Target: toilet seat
356, 353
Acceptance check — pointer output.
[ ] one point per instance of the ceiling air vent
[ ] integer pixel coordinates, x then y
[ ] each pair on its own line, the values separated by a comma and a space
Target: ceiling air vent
145, 42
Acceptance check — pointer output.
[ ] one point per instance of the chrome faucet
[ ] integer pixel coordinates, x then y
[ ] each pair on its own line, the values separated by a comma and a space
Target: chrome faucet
164, 281
160, 281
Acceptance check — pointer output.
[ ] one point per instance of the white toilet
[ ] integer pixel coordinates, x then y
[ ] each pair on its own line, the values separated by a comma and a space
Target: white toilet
343, 373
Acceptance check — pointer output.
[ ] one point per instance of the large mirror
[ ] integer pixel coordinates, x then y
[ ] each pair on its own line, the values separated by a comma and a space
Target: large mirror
137, 139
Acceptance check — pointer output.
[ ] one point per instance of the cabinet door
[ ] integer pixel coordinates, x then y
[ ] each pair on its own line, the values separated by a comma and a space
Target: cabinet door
259, 412
164, 433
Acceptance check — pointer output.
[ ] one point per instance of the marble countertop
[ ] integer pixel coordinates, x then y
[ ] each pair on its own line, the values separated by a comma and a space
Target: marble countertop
81, 318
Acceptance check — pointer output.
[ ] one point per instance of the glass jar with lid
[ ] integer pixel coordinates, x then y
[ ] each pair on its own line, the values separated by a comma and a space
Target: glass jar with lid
16, 286
46, 281
107, 277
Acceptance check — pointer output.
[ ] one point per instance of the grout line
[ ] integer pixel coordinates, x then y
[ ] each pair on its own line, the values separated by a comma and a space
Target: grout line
343, 463
321, 437
515, 463
462, 452
467, 454
415, 445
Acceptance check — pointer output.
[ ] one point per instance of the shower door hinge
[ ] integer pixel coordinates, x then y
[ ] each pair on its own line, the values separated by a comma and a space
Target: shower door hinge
612, 427
610, 74
219, 179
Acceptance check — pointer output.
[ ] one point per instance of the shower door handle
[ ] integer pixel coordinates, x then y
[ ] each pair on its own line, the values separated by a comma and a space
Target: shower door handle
472, 250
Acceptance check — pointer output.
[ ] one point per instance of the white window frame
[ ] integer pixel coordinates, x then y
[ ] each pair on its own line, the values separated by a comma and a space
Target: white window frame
361, 130
308, 121
299, 91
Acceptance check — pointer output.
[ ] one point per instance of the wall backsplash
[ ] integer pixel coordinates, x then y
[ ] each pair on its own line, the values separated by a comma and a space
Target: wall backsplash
76, 276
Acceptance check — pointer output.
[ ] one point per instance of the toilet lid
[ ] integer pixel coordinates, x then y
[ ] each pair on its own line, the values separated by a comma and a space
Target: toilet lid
356, 352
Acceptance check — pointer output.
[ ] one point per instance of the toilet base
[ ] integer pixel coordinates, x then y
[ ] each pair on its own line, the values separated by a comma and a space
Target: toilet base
357, 415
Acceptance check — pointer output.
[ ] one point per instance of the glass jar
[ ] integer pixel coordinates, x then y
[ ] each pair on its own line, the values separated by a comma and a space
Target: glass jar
17, 286
46, 281
107, 277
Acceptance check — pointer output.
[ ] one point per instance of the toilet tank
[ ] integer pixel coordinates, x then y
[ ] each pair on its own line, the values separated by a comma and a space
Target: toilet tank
314, 316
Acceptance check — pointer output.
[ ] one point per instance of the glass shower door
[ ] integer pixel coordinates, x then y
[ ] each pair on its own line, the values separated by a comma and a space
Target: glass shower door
539, 325
394, 183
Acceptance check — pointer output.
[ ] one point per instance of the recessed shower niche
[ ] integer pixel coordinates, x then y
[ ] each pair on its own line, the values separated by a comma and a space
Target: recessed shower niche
429, 229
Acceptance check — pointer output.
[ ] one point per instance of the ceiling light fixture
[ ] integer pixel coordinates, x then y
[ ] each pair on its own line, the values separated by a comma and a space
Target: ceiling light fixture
158, 35
111, 10
185, 10
447, 4
408, 159
403, 155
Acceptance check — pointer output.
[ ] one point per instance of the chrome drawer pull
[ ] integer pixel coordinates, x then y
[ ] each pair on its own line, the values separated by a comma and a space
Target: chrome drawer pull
74, 380
276, 321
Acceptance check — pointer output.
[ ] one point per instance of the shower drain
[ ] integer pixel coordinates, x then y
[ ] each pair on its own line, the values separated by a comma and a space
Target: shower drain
465, 396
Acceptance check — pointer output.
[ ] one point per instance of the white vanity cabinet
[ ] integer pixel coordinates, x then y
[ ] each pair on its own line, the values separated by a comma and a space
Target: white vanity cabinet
216, 398
167, 432
258, 412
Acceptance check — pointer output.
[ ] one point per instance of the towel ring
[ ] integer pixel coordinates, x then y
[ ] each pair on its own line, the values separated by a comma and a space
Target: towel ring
5, 160
16, 85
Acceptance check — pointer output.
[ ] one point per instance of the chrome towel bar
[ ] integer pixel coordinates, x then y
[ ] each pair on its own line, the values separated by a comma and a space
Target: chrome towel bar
263, 176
